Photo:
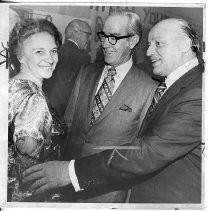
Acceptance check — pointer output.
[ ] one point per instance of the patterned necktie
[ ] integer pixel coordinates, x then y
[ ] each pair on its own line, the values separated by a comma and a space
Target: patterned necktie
158, 94
103, 95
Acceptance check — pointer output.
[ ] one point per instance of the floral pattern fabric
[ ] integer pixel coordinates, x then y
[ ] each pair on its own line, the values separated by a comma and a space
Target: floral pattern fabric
30, 116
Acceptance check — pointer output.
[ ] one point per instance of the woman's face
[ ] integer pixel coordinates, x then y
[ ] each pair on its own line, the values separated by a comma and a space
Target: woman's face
39, 55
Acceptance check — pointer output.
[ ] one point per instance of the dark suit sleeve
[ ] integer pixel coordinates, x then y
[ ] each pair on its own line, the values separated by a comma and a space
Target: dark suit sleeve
175, 134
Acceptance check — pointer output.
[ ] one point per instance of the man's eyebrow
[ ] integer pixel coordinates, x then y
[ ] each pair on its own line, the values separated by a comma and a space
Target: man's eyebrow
115, 34
40, 48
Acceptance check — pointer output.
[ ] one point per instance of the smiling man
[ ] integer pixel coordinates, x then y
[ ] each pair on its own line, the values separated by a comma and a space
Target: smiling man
112, 98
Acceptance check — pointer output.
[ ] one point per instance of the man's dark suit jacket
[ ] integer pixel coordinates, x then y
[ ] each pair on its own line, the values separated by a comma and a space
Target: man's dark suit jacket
164, 163
59, 86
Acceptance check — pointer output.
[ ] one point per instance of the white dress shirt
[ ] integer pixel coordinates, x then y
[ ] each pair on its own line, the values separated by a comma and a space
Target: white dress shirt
121, 70
180, 71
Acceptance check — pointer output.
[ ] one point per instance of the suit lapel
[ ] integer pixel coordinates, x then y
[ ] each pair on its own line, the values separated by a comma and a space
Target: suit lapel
71, 44
183, 82
124, 90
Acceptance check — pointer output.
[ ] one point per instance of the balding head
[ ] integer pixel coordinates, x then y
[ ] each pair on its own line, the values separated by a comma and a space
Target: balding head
181, 28
79, 31
172, 43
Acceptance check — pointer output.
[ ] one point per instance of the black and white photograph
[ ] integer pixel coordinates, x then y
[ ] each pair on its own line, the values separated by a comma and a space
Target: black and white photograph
103, 105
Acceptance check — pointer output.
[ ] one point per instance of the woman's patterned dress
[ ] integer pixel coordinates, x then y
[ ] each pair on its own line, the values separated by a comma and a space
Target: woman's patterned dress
30, 116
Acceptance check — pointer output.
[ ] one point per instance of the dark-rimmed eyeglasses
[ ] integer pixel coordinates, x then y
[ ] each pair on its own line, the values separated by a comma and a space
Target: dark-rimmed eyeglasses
111, 38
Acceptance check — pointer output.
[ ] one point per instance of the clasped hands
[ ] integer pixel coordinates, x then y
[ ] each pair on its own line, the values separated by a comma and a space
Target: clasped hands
46, 176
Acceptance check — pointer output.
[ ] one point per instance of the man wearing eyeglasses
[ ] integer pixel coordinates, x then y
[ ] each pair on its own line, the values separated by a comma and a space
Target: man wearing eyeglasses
71, 56
109, 100
97, 125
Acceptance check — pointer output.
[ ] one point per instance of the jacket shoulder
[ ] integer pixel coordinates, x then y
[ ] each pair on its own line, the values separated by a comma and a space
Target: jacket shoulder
145, 77
93, 66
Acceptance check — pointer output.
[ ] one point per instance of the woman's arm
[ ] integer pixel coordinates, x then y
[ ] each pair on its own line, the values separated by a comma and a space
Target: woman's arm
27, 145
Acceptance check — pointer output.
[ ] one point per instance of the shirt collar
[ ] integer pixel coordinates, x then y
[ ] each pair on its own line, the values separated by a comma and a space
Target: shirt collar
73, 42
123, 68
180, 71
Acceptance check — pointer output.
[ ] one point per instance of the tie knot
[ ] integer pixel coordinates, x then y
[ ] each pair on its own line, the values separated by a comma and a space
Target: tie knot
161, 89
112, 71
162, 85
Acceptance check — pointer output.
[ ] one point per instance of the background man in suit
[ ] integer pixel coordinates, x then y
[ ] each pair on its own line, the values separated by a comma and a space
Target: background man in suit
123, 114
71, 56
163, 164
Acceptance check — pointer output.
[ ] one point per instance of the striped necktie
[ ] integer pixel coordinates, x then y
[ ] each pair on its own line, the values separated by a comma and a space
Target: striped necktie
103, 95
158, 94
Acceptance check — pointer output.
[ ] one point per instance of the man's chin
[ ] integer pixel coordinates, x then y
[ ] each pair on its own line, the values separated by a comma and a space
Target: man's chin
108, 61
157, 71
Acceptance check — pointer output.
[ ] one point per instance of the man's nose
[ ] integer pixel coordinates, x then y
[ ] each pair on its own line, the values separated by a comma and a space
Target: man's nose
106, 43
150, 50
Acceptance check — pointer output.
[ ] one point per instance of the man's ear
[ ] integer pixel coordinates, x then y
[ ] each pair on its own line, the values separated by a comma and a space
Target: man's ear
185, 44
20, 58
133, 41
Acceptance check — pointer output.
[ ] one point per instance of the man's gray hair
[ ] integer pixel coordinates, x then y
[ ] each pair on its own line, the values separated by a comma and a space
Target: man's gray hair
73, 27
134, 23
188, 30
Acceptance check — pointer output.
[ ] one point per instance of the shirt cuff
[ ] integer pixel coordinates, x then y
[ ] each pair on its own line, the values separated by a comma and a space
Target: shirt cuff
73, 176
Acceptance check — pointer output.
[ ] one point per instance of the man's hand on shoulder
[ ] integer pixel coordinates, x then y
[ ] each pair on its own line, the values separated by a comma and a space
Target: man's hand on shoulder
46, 176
